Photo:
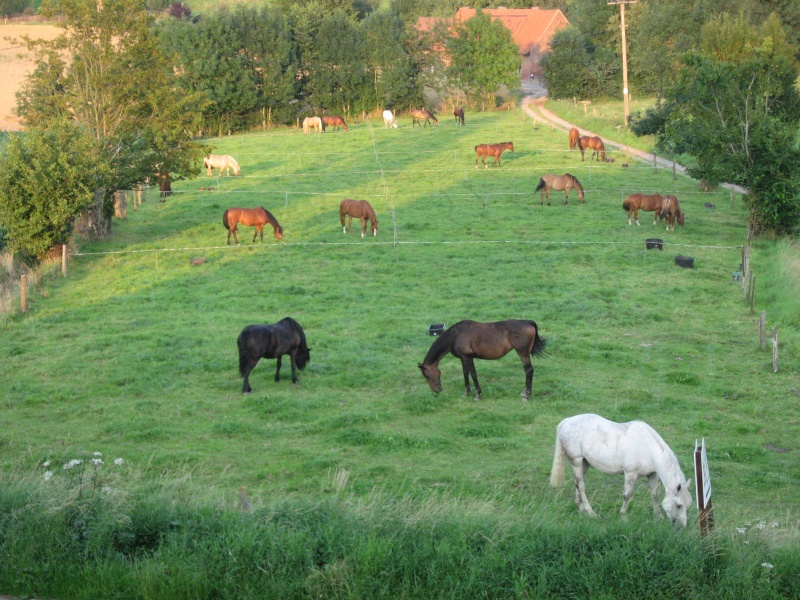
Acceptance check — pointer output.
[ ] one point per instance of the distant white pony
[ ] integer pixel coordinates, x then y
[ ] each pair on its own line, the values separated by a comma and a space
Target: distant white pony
389, 119
223, 161
312, 123
632, 448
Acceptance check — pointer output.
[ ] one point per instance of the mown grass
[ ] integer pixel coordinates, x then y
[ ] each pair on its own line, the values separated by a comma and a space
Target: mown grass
134, 354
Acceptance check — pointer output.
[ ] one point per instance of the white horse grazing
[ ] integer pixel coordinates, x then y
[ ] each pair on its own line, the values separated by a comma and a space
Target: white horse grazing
216, 161
389, 119
632, 448
312, 123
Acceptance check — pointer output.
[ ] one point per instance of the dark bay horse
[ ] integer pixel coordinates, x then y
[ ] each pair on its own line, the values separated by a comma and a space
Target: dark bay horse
417, 116
671, 211
595, 144
272, 341
334, 121
636, 202
469, 340
563, 182
360, 209
574, 135
250, 217
484, 150
458, 112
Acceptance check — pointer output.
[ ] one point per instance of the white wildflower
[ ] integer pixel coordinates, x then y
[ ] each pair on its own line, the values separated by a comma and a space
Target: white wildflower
107, 490
774, 524
767, 566
761, 525
118, 461
97, 454
97, 461
46, 464
48, 475
741, 530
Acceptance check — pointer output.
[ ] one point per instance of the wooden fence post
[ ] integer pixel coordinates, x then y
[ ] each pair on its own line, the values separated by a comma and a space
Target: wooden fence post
673, 170
762, 334
774, 350
64, 260
752, 292
655, 165
23, 293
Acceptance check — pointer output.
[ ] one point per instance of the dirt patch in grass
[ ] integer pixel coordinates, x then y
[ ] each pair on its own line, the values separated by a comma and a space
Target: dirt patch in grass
16, 63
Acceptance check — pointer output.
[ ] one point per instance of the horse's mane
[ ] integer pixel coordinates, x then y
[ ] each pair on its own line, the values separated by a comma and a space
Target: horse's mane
371, 213
670, 460
303, 354
272, 219
439, 348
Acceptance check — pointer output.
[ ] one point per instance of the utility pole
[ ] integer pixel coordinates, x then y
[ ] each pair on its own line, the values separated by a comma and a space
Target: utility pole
625, 93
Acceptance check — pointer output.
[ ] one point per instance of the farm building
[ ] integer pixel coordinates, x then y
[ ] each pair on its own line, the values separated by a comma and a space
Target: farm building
531, 29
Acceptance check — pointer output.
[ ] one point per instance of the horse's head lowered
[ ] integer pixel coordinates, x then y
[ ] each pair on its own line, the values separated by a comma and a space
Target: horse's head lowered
432, 375
675, 503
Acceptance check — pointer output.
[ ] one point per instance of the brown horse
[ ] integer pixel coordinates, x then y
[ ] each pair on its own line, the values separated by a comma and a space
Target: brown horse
595, 144
272, 341
484, 150
574, 134
417, 116
458, 112
636, 202
468, 340
671, 211
333, 121
250, 217
563, 182
360, 209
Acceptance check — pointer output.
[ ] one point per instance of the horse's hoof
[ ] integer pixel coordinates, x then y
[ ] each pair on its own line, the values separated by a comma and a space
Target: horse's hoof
525, 397
247, 391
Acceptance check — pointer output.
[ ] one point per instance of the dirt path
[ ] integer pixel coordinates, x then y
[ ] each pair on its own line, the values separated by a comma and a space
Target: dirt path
533, 106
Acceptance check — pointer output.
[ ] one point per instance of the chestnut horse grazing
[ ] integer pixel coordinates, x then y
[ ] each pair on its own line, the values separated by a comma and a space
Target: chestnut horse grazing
272, 341
484, 150
417, 116
250, 217
216, 161
360, 209
333, 121
636, 202
574, 134
671, 211
310, 123
595, 144
458, 112
632, 448
558, 182
389, 119
469, 340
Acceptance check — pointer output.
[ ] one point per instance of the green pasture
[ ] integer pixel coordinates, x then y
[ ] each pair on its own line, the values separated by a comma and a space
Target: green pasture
134, 353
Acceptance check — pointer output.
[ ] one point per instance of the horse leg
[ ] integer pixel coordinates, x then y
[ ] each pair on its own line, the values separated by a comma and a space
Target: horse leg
350, 224
652, 479
246, 389
465, 369
363, 227
294, 365
636, 216
579, 467
627, 491
526, 364
566, 195
235, 237
278, 369
471, 367
582, 151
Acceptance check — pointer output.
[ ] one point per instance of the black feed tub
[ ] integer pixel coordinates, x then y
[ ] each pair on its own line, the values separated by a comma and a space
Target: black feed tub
436, 328
687, 262
709, 205
651, 243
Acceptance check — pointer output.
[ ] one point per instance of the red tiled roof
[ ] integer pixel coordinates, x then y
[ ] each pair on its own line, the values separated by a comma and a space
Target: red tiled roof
529, 27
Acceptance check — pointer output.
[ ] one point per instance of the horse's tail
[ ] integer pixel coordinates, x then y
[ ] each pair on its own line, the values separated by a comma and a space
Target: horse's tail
225, 219
559, 464
303, 351
242, 343
626, 204
539, 343
541, 185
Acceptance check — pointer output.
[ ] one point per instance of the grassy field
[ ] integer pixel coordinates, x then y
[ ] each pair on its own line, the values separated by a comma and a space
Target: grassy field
134, 353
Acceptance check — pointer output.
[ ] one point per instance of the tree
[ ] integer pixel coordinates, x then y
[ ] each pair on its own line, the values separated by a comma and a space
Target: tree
47, 177
119, 87
735, 109
565, 67
483, 57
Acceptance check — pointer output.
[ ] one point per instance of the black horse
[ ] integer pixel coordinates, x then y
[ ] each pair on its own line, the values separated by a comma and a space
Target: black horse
468, 340
272, 341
